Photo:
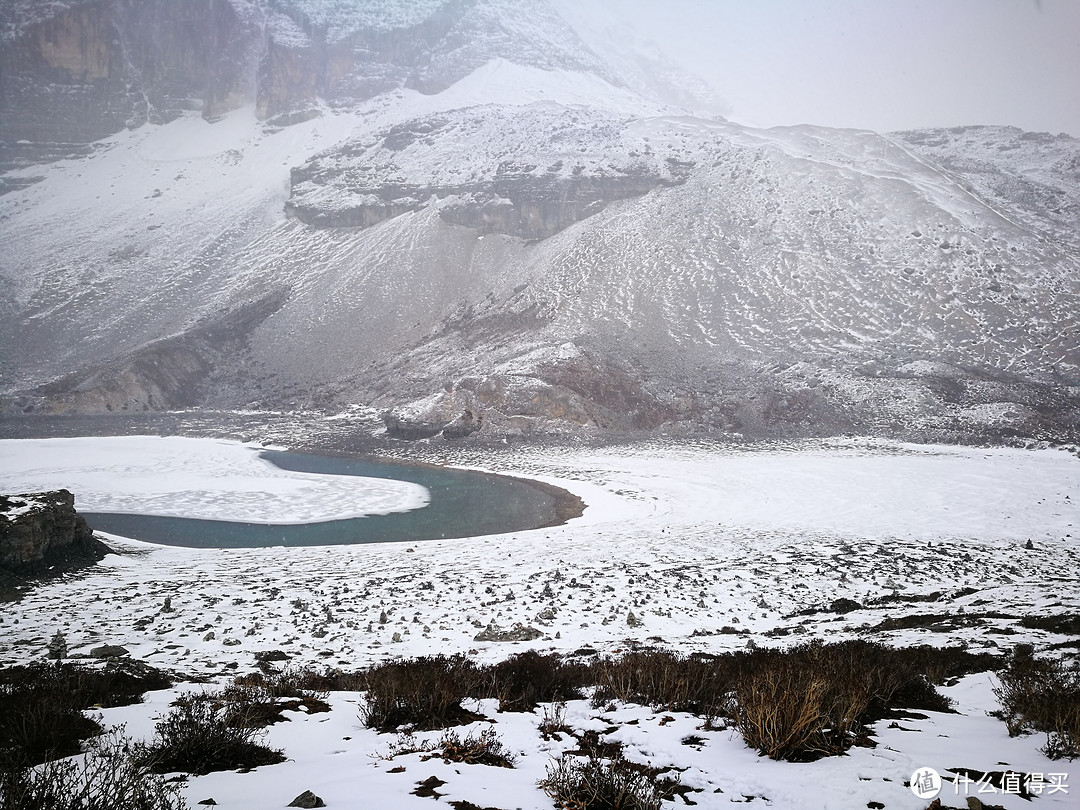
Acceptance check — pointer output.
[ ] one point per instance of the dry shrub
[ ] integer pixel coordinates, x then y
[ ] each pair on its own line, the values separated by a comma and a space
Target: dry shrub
406, 743
802, 703
484, 748
780, 711
594, 783
526, 679
1040, 694
816, 699
289, 683
940, 664
665, 681
107, 778
259, 699
204, 733
553, 721
41, 705
422, 693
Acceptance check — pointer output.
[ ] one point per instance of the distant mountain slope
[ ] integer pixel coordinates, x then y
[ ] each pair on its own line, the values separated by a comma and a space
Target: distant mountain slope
1033, 177
504, 238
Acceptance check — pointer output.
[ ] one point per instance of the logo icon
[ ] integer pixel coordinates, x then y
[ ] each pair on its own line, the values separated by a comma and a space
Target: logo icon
926, 783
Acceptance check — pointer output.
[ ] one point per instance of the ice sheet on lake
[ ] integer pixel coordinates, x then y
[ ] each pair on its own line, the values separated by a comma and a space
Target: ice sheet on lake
194, 478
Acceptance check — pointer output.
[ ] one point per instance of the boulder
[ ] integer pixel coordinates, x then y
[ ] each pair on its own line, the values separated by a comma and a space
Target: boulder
307, 799
518, 632
844, 605
109, 651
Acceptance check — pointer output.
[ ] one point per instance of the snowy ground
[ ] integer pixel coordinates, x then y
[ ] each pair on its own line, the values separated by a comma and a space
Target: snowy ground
712, 546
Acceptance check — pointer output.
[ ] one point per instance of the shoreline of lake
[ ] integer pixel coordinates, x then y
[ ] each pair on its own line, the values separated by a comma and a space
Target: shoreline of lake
462, 503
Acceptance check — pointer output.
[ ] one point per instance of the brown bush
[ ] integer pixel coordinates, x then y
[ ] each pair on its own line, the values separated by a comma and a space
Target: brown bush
595, 783
422, 693
41, 705
289, 683
1038, 694
801, 703
665, 681
259, 699
553, 721
483, 748
816, 699
524, 680
106, 779
204, 733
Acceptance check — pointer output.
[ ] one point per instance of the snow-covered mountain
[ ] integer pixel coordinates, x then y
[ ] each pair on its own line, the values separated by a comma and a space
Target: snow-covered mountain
458, 213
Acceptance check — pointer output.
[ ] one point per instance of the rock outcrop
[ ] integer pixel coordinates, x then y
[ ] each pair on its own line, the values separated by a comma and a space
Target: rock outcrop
75, 71
41, 530
568, 167
518, 632
94, 68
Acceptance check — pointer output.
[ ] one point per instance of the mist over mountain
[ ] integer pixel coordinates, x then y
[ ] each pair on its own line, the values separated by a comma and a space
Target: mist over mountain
459, 214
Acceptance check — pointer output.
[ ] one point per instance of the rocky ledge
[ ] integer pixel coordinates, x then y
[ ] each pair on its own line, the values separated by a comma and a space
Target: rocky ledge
532, 171
42, 530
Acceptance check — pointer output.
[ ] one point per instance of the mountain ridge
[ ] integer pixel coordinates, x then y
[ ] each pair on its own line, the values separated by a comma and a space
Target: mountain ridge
535, 251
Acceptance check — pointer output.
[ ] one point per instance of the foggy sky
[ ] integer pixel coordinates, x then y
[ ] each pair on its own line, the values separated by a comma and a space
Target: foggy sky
877, 64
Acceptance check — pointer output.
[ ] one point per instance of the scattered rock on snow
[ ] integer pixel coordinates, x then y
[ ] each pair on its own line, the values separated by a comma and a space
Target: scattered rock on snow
518, 632
307, 799
108, 651
844, 605
546, 615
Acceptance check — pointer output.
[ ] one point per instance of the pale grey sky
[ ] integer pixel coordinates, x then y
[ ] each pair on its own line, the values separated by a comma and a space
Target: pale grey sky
876, 64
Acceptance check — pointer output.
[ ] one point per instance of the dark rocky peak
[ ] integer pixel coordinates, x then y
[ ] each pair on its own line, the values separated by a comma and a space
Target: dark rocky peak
347, 54
96, 67
75, 72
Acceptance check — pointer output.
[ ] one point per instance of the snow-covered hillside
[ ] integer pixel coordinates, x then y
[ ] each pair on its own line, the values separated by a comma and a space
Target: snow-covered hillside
712, 548
492, 224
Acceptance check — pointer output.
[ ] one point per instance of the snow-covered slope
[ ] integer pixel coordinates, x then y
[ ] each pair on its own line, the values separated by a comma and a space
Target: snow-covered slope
537, 247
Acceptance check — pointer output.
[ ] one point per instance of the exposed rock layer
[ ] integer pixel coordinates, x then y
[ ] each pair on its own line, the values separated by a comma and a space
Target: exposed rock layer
95, 68
42, 529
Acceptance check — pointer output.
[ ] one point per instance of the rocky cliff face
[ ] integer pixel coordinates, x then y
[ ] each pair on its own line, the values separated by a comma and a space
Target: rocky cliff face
96, 67
356, 53
76, 71
42, 529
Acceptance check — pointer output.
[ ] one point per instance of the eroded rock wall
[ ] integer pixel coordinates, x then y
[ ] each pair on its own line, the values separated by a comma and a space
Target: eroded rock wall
95, 68
42, 529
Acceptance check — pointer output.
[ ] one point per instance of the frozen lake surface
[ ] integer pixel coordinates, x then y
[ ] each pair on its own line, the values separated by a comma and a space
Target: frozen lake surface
205, 493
